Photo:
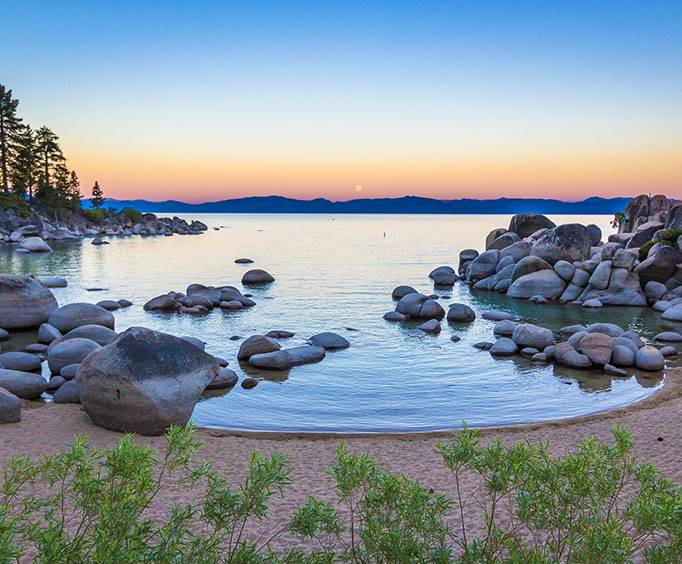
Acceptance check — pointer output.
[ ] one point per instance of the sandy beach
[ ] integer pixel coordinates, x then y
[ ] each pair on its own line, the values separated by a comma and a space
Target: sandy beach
656, 423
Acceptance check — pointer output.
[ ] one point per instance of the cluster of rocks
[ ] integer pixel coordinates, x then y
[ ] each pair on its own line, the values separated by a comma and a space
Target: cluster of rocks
568, 263
536, 260
199, 299
605, 346
141, 380
263, 351
31, 233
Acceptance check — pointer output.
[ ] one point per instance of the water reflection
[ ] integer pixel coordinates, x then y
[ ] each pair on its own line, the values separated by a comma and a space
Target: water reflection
331, 274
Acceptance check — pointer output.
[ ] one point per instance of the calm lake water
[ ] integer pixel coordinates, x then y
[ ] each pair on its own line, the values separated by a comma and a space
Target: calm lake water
335, 273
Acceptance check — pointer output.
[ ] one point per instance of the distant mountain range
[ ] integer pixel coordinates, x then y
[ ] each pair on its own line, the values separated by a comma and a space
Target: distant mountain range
403, 205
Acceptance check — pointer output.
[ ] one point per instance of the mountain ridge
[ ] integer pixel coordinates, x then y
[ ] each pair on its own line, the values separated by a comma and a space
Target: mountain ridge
401, 205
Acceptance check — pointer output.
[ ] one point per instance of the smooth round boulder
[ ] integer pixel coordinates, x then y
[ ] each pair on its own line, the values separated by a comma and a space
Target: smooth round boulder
665, 336
497, 315
249, 383
673, 313
35, 245
24, 302
67, 393
74, 315
109, 305
36, 348
225, 379
257, 276
526, 224
504, 347
610, 329
394, 316
460, 313
329, 341
288, 358
668, 351
598, 347
69, 371
98, 333
10, 407
528, 265
564, 269
161, 303
503, 241
24, 385
545, 283
256, 344
124, 303
420, 306
443, 276
144, 381
402, 291
280, 334
22, 361
505, 327
529, 335
195, 341
71, 351
55, 382
566, 355
647, 358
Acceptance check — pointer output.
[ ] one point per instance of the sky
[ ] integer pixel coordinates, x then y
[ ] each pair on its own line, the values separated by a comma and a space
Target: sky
203, 100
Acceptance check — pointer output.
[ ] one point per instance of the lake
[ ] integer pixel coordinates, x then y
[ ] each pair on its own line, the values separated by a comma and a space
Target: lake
336, 274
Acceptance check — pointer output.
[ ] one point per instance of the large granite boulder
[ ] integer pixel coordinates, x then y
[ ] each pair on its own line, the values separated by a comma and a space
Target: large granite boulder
594, 233
516, 250
644, 233
598, 347
483, 265
98, 333
503, 241
525, 224
22, 361
443, 276
144, 381
674, 220
570, 242
460, 313
329, 341
164, 302
287, 358
402, 291
658, 267
35, 245
494, 234
545, 283
74, 315
24, 302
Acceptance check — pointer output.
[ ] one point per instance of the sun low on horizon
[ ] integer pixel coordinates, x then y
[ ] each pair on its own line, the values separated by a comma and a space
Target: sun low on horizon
214, 100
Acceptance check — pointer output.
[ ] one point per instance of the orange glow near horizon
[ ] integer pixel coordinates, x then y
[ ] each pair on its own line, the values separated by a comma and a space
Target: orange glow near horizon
566, 175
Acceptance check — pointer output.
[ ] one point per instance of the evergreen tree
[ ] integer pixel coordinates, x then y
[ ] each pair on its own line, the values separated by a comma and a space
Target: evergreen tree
97, 196
50, 156
10, 127
25, 170
74, 191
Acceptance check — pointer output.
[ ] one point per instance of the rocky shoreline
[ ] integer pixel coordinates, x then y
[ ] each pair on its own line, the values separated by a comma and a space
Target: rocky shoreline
30, 231
143, 380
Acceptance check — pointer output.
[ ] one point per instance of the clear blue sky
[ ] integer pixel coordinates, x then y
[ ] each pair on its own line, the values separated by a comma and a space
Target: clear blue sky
207, 100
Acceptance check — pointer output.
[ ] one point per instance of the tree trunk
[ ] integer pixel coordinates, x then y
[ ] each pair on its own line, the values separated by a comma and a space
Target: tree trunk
3, 153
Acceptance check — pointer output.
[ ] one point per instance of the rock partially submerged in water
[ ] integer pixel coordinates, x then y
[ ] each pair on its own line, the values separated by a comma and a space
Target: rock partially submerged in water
402, 291
430, 326
225, 379
329, 341
144, 381
256, 344
35, 245
419, 306
24, 302
23, 361
70, 351
74, 315
545, 283
257, 276
288, 358
443, 276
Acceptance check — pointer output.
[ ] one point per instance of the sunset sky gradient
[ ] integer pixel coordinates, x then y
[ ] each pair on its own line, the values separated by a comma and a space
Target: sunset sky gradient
212, 100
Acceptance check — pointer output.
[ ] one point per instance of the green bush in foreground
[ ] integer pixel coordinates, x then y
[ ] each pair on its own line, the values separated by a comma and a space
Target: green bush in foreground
596, 504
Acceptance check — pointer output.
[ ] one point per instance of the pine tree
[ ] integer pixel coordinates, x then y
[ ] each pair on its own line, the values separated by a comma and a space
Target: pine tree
97, 199
74, 191
25, 169
50, 156
10, 127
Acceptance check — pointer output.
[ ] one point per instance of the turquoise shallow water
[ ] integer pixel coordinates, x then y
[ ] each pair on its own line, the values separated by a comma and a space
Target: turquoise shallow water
335, 273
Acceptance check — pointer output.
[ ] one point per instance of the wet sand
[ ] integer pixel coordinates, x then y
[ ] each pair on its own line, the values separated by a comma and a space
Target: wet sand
51, 427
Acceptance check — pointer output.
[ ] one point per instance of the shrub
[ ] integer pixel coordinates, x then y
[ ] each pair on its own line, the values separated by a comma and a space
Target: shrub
96, 215
644, 250
668, 235
132, 214
15, 202
596, 504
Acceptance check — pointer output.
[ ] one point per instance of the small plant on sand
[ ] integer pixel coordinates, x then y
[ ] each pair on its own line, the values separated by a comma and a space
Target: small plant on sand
595, 504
